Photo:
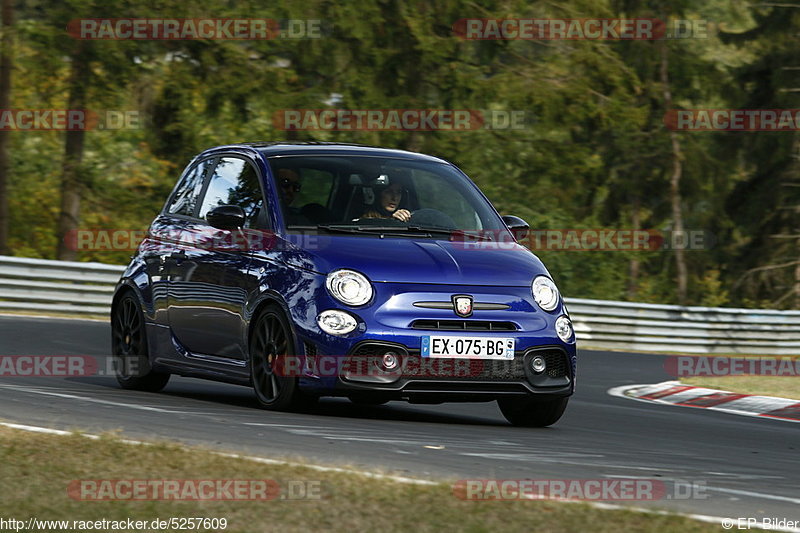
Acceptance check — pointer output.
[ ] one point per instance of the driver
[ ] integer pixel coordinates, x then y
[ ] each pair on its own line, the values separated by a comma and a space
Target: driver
289, 184
387, 202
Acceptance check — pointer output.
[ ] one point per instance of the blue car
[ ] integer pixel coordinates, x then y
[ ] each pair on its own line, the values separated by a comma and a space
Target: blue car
319, 269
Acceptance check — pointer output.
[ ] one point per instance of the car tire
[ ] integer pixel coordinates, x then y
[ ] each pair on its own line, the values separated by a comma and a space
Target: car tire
129, 346
533, 412
270, 340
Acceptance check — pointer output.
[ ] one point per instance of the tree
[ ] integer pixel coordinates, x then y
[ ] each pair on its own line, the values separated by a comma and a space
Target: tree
71, 179
765, 266
6, 73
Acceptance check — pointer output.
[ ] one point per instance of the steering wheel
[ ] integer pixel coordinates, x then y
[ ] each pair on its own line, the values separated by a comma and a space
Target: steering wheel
431, 217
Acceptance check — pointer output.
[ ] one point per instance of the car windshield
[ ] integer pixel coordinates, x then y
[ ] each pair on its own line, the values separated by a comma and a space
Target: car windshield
375, 195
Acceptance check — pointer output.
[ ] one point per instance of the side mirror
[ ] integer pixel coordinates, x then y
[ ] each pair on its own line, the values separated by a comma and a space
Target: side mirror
519, 228
226, 217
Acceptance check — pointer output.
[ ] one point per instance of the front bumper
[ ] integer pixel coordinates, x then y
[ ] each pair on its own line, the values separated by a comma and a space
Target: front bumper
404, 316
429, 380
434, 380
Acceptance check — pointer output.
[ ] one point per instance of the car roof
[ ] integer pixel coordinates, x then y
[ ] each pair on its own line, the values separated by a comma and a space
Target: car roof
288, 148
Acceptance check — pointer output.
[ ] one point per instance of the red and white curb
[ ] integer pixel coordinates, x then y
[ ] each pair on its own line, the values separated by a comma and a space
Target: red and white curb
675, 393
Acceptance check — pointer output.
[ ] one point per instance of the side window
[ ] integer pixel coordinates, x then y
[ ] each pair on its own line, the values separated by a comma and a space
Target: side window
316, 187
188, 191
235, 182
304, 193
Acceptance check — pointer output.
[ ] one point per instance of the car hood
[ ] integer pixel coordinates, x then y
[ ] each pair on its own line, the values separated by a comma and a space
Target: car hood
407, 260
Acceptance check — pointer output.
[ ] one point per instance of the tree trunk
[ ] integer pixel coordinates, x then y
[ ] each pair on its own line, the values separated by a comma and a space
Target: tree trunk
71, 182
6, 68
633, 264
797, 280
674, 186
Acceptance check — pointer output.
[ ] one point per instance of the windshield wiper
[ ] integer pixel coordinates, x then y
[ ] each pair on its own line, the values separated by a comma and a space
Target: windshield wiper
451, 232
396, 230
355, 228
351, 228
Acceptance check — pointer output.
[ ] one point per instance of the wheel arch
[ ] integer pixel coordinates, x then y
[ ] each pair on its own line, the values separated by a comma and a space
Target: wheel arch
125, 287
266, 300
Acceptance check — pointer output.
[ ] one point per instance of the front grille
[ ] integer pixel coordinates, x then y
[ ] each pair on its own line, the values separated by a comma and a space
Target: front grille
370, 348
424, 368
464, 325
466, 388
311, 349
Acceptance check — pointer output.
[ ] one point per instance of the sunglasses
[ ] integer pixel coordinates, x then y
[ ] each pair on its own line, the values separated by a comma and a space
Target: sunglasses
286, 183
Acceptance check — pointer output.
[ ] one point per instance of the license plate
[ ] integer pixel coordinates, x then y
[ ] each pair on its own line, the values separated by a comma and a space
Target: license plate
468, 347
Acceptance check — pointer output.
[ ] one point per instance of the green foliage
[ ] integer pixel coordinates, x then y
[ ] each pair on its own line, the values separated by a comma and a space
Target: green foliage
594, 153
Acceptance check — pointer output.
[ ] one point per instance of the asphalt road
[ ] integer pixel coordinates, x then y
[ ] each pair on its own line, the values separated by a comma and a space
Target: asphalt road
743, 466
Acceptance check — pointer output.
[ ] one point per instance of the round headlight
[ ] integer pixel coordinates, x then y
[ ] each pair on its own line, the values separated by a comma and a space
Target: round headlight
564, 328
545, 293
336, 322
349, 287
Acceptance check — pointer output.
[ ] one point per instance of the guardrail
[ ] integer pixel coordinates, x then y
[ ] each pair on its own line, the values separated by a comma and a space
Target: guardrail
56, 286
86, 288
673, 328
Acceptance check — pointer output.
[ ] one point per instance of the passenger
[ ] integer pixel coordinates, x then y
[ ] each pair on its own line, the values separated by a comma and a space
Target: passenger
387, 202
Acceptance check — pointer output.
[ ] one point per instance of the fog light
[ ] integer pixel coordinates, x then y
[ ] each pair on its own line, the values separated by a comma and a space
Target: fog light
564, 329
336, 322
537, 364
390, 360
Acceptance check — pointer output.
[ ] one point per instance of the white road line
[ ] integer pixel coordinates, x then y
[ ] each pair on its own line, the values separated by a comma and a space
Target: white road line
357, 435
93, 400
737, 492
48, 317
320, 468
398, 479
701, 517
285, 425
36, 429
263, 460
755, 494
539, 458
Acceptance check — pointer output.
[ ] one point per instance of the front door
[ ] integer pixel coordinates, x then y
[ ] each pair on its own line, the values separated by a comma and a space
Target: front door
209, 279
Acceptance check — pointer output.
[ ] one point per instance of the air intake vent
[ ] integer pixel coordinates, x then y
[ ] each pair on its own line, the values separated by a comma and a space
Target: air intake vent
556, 361
464, 325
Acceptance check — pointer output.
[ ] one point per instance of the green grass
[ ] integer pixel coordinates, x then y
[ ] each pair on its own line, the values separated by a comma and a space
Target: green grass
780, 386
36, 469
53, 314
